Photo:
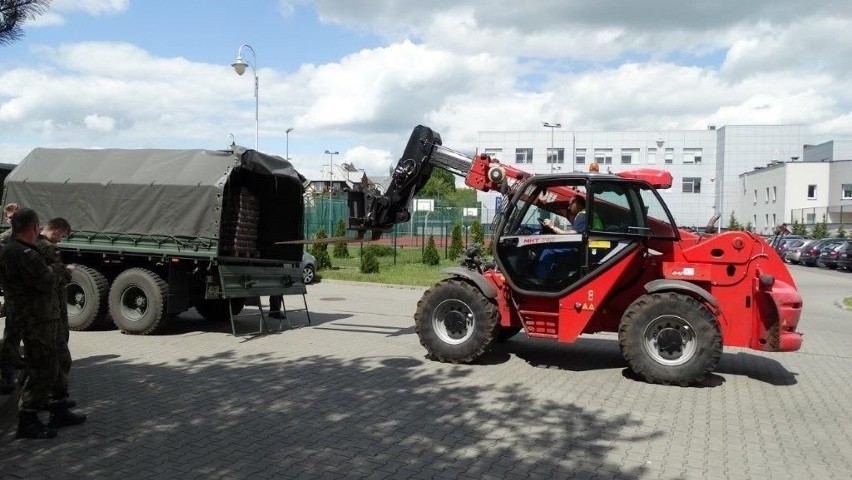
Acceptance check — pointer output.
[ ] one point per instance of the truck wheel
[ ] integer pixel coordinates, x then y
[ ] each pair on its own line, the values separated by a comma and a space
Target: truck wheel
86, 298
216, 310
137, 301
671, 339
455, 321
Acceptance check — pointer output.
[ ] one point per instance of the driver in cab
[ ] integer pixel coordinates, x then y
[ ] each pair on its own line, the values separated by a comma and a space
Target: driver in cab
576, 215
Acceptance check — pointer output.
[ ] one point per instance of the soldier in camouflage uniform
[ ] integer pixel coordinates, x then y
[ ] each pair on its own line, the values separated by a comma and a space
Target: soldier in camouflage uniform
30, 288
55, 230
10, 345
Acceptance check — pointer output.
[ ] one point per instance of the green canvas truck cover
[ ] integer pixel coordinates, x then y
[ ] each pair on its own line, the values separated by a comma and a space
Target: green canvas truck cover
176, 193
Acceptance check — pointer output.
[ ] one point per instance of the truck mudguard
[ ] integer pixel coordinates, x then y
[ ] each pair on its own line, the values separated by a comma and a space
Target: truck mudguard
664, 285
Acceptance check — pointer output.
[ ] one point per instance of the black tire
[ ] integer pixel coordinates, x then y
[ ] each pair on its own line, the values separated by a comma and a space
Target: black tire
86, 298
670, 339
137, 301
308, 274
455, 321
216, 310
502, 334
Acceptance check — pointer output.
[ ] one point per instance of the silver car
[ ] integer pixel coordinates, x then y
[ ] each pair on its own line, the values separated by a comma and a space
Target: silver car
309, 270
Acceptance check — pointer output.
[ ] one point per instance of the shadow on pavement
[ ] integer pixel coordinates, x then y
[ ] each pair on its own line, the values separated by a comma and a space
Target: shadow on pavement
756, 367
237, 416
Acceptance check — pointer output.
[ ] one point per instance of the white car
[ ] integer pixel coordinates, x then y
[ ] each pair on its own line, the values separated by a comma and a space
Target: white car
309, 270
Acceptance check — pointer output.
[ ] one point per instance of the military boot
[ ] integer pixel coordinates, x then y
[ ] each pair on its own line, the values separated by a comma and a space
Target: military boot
61, 416
29, 426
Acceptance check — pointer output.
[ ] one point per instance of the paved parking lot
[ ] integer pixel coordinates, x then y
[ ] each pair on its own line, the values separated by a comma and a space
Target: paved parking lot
353, 396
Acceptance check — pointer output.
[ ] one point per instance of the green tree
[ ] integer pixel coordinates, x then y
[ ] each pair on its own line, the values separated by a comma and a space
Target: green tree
733, 224
320, 251
369, 262
799, 228
820, 230
841, 233
477, 233
440, 183
456, 244
749, 227
340, 249
430, 253
15, 13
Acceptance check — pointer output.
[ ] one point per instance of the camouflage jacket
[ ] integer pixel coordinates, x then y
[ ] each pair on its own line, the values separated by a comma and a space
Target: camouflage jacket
29, 284
53, 259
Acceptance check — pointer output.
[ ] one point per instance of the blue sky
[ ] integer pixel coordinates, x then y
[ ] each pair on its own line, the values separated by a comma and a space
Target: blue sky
356, 76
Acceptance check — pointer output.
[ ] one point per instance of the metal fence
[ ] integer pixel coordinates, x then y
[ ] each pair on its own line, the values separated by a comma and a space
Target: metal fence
324, 212
835, 216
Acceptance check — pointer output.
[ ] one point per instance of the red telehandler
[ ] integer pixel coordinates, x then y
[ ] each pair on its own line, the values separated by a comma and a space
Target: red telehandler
675, 297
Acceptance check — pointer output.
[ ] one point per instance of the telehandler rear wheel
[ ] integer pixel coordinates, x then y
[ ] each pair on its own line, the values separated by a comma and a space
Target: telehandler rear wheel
670, 338
455, 321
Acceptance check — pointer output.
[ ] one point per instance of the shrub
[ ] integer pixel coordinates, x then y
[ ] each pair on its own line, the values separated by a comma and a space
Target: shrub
477, 233
456, 244
841, 233
320, 251
340, 249
369, 263
379, 250
430, 253
733, 224
820, 230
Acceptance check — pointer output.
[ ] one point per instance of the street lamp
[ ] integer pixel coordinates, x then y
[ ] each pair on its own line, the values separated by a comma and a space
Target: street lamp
240, 67
330, 179
552, 127
290, 129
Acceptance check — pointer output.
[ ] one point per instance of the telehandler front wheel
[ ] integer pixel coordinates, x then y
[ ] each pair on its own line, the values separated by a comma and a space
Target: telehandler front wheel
455, 321
670, 338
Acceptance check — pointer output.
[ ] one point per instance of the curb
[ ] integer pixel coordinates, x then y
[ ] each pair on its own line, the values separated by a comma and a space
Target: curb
371, 284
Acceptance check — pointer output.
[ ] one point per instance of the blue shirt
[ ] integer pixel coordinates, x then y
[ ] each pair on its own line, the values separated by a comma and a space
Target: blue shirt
579, 224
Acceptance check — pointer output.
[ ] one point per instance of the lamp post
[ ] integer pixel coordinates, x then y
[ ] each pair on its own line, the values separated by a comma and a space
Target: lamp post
290, 129
240, 67
330, 179
552, 127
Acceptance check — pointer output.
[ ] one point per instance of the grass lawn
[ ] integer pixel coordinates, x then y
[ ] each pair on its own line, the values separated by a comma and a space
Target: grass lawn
408, 269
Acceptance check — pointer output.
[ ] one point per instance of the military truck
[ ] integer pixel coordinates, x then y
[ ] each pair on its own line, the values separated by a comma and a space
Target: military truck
156, 232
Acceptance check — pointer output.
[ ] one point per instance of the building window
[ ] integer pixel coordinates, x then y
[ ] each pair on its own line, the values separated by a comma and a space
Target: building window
755, 221
603, 156
629, 155
812, 191
670, 155
523, 155
774, 194
692, 155
774, 220
652, 156
755, 198
494, 152
580, 156
555, 155
767, 221
691, 184
810, 218
846, 188
767, 195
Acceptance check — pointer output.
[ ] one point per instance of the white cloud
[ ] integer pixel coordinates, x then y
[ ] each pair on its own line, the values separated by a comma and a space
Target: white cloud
92, 7
371, 160
99, 123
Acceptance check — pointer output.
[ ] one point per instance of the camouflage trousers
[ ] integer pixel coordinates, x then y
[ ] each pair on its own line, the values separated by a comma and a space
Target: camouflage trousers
63, 362
40, 350
10, 346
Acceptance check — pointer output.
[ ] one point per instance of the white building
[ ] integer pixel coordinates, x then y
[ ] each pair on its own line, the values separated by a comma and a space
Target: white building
705, 164
820, 184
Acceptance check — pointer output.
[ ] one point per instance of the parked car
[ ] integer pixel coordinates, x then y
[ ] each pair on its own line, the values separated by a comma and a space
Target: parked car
309, 268
810, 255
786, 244
776, 242
829, 254
794, 254
844, 259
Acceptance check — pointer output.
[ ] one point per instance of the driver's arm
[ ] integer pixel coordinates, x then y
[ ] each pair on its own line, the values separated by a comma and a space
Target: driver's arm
548, 223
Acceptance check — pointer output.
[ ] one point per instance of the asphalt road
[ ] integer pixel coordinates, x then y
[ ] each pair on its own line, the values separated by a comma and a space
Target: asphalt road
352, 396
